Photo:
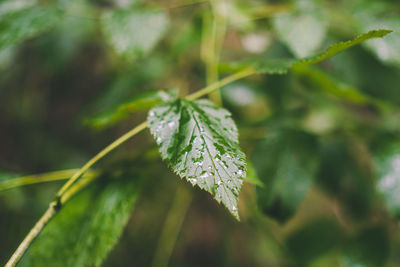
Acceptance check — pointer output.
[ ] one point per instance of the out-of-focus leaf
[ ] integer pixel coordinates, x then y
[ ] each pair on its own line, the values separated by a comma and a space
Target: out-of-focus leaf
313, 239
336, 87
22, 20
302, 31
134, 32
342, 175
282, 66
87, 228
364, 71
200, 143
339, 47
141, 101
370, 248
252, 176
286, 163
387, 167
379, 14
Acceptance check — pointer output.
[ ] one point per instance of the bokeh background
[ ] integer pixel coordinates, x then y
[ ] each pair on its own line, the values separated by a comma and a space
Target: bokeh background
322, 142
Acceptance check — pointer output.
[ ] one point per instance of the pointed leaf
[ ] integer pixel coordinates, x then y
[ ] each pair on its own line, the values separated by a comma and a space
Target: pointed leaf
380, 14
339, 47
200, 143
282, 66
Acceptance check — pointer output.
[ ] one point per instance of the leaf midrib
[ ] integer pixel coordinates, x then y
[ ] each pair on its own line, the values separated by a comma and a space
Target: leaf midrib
212, 161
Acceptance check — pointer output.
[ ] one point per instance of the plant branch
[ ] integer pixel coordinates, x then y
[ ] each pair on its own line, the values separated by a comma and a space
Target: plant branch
213, 36
211, 88
53, 209
73, 186
100, 155
36, 178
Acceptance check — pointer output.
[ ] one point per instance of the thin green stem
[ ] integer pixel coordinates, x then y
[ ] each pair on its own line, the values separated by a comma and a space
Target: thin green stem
265, 11
25, 244
36, 178
172, 226
53, 209
99, 156
214, 30
211, 88
73, 186
187, 4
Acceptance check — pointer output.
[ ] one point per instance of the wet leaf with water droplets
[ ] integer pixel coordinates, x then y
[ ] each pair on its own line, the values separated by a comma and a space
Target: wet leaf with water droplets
200, 143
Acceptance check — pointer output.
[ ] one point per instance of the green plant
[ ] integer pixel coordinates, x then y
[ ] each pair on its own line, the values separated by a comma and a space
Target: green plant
199, 139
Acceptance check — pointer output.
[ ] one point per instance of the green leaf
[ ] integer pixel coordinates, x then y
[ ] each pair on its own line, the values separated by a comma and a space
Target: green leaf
380, 15
331, 85
303, 31
286, 163
387, 167
282, 66
200, 143
141, 101
343, 176
339, 47
87, 228
132, 32
266, 66
20, 21
252, 176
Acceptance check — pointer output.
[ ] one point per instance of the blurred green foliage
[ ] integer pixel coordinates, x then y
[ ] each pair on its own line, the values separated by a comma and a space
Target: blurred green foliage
322, 141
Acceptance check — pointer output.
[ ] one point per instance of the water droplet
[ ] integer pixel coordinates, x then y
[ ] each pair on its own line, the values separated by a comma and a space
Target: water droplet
192, 180
152, 113
198, 163
234, 208
228, 156
219, 182
171, 124
204, 176
240, 173
158, 140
